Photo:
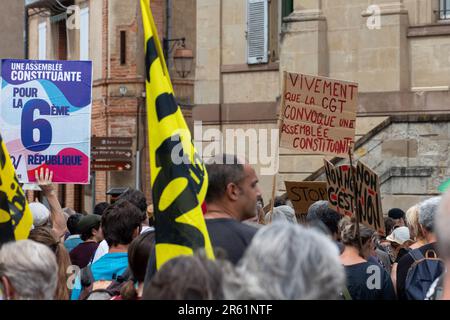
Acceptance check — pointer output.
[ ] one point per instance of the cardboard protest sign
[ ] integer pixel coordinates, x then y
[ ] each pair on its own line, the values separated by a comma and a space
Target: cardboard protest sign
45, 116
318, 114
304, 194
340, 188
342, 193
368, 198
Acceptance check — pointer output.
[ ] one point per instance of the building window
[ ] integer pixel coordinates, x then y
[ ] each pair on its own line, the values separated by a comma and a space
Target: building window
257, 31
123, 47
444, 9
43, 41
84, 34
287, 7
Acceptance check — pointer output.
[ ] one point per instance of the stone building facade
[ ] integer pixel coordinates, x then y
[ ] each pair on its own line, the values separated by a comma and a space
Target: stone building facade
397, 51
11, 30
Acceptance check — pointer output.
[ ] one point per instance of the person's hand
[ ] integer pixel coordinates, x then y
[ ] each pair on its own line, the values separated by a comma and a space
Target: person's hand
44, 180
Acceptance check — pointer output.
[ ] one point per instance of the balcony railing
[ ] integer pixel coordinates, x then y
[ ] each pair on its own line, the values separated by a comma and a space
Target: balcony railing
444, 10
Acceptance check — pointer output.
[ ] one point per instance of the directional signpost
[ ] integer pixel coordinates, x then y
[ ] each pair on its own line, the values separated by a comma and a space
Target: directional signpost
111, 166
99, 154
111, 154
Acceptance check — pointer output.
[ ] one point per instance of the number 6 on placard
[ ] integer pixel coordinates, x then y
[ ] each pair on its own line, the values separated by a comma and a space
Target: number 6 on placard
29, 125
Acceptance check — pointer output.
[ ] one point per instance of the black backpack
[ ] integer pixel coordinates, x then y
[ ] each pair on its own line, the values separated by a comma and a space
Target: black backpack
422, 273
101, 289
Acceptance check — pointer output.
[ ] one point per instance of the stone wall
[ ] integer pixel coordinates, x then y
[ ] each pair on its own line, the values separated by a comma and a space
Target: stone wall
411, 159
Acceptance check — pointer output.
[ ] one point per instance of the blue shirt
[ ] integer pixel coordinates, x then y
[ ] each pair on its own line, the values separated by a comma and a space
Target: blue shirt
108, 267
72, 241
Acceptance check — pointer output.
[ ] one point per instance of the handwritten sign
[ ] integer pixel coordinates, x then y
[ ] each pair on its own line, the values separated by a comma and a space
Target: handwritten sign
368, 197
342, 193
318, 114
45, 117
304, 194
340, 188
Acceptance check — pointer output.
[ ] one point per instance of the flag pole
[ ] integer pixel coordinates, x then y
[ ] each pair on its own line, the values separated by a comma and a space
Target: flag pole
280, 121
355, 206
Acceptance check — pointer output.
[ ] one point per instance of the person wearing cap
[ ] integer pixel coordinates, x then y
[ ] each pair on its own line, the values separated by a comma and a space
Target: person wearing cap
400, 240
91, 234
399, 217
41, 215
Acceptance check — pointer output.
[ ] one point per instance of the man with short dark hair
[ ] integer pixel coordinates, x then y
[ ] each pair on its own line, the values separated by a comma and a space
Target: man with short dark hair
121, 223
138, 199
231, 198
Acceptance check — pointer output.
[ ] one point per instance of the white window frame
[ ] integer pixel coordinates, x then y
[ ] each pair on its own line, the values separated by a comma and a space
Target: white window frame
84, 34
263, 56
444, 4
42, 51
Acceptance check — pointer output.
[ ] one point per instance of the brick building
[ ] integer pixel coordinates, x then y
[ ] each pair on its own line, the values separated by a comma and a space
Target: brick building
110, 34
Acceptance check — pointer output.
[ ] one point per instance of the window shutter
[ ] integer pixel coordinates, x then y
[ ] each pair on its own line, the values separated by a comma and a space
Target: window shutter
257, 31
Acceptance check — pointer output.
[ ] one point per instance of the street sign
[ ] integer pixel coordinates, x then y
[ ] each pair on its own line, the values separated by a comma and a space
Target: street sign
111, 166
111, 142
111, 154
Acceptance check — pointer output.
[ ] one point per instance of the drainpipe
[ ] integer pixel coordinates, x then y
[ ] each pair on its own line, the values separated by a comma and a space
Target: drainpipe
168, 33
26, 33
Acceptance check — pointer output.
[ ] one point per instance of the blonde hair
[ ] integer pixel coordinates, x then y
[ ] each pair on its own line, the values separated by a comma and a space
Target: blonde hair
47, 237
412, 221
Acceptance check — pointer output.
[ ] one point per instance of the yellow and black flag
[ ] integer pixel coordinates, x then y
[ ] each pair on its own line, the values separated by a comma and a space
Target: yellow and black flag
178, 176
15, 215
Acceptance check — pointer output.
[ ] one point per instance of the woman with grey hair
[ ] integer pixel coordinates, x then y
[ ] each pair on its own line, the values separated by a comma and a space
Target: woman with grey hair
28, 271
287, 261
427, 212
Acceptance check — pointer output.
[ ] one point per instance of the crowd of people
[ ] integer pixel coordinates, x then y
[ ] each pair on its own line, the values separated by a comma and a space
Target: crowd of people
110, 254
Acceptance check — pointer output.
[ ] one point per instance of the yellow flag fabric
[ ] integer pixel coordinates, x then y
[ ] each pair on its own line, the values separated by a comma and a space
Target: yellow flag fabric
178, 176
15, 215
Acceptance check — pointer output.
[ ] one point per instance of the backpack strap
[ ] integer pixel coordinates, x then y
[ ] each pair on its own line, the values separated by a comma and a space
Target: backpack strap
416, 254
346, 294
86, 276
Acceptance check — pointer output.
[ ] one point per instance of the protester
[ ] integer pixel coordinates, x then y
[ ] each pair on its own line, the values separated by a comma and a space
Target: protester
28, 271
366, 280
440, 289
187, 278
91, 234
412, 222
287, 261
231, 198
320, 215
56, 217
138, 256
100, 208
281, 213
427, 212
41, 214
138, 199
398, 215
400, 241
74, 238
47, 237
121, 223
